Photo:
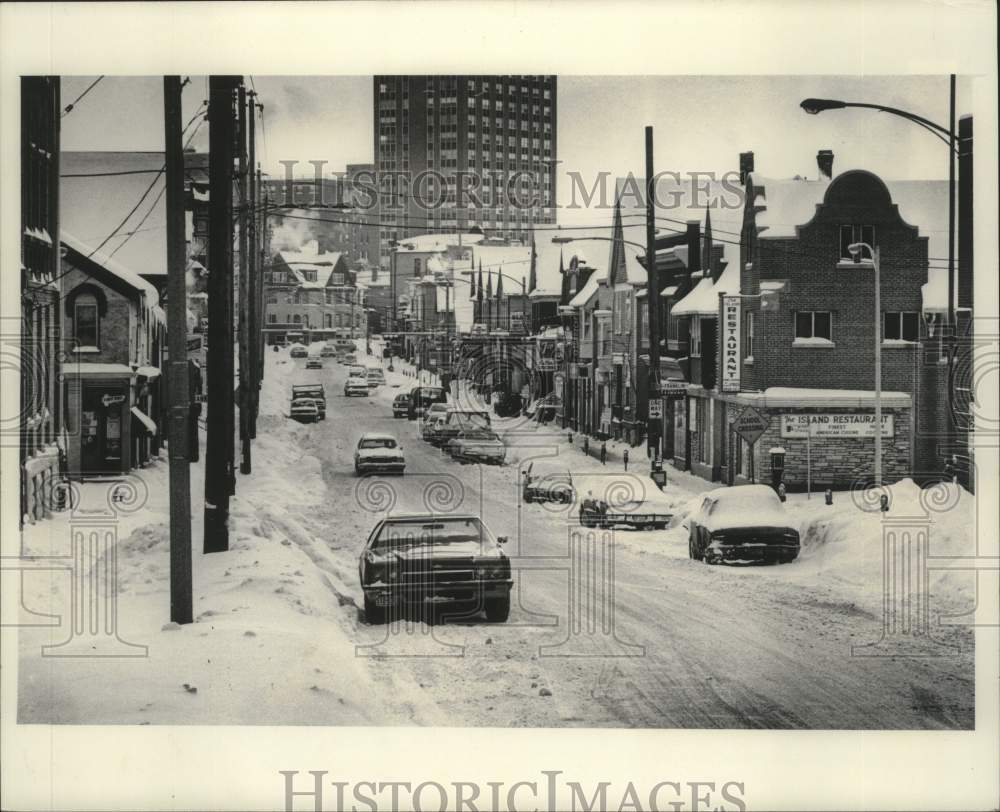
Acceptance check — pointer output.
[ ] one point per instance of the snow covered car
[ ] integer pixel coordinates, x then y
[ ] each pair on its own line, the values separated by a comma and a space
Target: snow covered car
356, 371
304, 410
742, 523
478, 445
328, 351
458, 422
401, 404
376, 377
355, 386
408, 559
314, 391
378, 454
314, 363
597, 513
423, 397
350, 358
430, 427
298, 351
547, 481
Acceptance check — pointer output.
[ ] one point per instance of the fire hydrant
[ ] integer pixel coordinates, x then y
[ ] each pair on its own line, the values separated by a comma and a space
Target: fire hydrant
829, 496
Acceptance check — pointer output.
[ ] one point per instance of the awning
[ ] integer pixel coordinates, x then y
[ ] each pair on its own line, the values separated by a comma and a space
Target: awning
148, 372
144, 419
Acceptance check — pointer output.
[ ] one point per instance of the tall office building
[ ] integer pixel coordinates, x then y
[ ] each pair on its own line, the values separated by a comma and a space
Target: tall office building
453, 152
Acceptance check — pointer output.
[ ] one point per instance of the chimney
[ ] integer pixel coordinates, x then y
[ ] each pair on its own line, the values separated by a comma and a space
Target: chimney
746, 166
824, 160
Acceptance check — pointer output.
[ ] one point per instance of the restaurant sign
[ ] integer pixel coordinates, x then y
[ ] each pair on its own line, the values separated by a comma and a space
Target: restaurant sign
834, 425
730, 343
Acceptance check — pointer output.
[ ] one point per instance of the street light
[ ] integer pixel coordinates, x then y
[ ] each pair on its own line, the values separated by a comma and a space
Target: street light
856, 249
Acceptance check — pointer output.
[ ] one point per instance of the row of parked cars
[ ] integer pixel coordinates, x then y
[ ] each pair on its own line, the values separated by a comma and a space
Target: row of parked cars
465, 434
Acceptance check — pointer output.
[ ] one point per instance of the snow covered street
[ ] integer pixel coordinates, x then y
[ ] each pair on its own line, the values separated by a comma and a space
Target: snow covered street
650, 638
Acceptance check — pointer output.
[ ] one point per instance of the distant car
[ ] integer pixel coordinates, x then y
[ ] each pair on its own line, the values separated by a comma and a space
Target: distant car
358, 372
376, 377
314, 363
409, 559
742, 523
422, 397
378, 454
328, 351
401, 404
597, 513
304, 410
478, 445
547, 481
430, 427
314, 391
350, 358
298, 351
356, 386
458, 421
436, 410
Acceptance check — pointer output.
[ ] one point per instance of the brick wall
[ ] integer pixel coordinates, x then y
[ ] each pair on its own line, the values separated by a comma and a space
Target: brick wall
116, 334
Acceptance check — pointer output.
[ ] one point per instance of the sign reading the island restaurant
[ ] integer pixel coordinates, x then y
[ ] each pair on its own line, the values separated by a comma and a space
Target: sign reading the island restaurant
834, 425
730, 343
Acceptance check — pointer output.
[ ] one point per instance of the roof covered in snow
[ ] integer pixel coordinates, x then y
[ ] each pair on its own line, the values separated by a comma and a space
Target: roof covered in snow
126, 275
588, 291
435, 243
704, 299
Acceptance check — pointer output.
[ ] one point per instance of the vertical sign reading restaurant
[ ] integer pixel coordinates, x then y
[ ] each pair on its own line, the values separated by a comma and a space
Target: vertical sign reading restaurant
730, 319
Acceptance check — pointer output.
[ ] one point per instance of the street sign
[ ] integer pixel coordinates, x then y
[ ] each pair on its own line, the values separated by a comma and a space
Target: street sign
750, 424
673, 389
655, 408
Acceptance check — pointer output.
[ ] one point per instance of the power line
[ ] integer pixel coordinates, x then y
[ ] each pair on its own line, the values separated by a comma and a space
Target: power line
70, 106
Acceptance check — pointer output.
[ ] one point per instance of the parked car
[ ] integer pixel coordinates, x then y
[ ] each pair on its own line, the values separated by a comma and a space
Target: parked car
314, 363
742, 523
299, 351
328, 351
408, 559
358, 372
355, 385
478, 445
378, 454
547, 481
459, 421
304, 410
314, 391
376, 377
430, 427
422, 397
436, 410
597, 513
350, 358
401, 404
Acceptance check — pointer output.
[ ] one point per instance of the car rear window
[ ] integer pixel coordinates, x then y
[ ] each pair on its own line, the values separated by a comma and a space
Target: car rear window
379, 442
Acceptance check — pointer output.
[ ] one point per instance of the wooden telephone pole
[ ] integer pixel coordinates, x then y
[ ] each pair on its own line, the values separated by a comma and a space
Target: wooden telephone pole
244, 286
219, 475
181, 610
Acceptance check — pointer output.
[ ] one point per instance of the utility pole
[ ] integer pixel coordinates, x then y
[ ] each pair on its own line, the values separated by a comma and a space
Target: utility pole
652, 300
244, 285
219, 446
263, 268
253, 321
177, 376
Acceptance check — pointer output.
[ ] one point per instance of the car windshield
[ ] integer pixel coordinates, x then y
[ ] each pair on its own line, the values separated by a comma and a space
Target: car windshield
429, 395
378, 442
469, 421
402, 534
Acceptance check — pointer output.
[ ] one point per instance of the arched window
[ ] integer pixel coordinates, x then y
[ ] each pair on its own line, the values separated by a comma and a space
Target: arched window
297, 318
86, 321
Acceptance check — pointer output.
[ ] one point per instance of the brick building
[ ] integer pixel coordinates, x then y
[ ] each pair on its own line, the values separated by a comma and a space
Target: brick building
802, 334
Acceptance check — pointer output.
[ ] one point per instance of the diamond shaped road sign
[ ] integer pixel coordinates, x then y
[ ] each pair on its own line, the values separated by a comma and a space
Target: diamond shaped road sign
750, 424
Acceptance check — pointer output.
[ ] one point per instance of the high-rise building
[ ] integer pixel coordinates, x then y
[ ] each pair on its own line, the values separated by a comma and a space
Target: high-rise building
452, 152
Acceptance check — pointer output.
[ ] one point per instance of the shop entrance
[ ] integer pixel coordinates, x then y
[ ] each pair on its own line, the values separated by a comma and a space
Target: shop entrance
101, 429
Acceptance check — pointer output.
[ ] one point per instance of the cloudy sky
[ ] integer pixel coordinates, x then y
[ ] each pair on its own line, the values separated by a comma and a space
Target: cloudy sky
701, 123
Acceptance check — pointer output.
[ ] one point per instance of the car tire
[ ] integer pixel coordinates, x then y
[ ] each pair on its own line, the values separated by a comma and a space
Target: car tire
374, 615
528, 498
498, 609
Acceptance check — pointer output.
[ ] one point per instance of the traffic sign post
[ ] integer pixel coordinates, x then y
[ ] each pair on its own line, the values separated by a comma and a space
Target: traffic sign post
655, 408
750, 425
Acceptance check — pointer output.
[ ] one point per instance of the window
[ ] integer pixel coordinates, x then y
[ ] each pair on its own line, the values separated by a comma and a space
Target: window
272, 318
85, 320
749, 352
813, 325
856, 233
416, 266
696, 337
900, 326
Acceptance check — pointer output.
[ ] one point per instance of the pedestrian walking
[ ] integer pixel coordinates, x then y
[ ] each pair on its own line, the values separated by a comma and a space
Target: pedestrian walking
604, 452
625, 458
586, 445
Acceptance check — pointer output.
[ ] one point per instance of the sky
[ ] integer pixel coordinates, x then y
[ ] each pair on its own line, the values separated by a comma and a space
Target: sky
701, 123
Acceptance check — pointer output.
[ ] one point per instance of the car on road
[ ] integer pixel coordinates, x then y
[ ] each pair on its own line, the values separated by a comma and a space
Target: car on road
478, 445
350, 359
356, 371
378, 453
423, 397
401, 404
436, 410
328, 351
314, 391
376, 377
742, 523
597, 513
355, 386
409, 559
304, 410
547, 481
458, 421
298, 351
429, 428
314, 363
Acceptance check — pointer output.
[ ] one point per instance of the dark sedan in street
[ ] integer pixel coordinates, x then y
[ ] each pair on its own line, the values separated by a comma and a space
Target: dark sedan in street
410, 559
745, 523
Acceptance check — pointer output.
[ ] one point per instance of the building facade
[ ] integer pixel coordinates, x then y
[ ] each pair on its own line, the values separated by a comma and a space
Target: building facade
453, 151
